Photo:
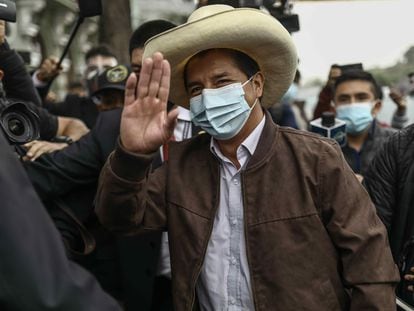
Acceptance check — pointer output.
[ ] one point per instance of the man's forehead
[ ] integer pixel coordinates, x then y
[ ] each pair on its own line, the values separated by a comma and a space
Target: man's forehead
220, 60
100, 60
352, 87
355, 85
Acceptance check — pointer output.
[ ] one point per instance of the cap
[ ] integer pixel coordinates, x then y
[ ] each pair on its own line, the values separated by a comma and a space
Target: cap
113, 78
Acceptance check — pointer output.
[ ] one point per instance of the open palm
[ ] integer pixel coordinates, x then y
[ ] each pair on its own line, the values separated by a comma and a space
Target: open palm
145, 123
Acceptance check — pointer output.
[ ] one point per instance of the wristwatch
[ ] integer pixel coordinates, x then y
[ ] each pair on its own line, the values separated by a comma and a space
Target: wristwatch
62, 139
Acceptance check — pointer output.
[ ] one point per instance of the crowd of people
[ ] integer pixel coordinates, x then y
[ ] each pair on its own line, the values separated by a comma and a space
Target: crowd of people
189, 179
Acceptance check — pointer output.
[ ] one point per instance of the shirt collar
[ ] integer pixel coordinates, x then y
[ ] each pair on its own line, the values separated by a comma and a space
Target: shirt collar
183, 114
250, 143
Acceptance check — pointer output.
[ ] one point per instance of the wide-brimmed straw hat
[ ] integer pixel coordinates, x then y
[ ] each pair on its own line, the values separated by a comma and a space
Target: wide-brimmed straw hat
251, 31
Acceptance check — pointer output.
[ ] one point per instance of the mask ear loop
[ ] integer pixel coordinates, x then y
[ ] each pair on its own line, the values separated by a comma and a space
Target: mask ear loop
254, 104
257, 99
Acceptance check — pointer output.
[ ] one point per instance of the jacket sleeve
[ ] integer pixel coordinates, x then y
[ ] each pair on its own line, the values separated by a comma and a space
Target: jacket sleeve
35, 273
131, 198
360, 237
381, 180
17, 81
58, 173
79, 164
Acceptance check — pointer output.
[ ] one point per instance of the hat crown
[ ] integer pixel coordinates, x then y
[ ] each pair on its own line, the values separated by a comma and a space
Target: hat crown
208, 10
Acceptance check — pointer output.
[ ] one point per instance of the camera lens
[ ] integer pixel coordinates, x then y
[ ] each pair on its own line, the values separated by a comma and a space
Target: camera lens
16, 127
19, 123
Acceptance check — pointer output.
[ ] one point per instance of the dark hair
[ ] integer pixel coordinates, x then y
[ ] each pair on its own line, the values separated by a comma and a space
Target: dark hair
100, 50
146, 31
244, 62
361, 75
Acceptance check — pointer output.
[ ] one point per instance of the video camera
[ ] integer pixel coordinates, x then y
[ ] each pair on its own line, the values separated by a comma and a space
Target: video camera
279, 9
8, 10
19, 123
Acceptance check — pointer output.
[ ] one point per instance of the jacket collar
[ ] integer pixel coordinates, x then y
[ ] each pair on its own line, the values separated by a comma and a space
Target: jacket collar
267, 141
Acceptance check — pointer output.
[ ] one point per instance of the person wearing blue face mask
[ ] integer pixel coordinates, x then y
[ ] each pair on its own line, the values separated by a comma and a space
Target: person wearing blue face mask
357, 100
249, 206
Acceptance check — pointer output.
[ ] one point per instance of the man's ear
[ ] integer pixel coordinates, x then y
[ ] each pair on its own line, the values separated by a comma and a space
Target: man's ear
376, 108
1, 74
258, 82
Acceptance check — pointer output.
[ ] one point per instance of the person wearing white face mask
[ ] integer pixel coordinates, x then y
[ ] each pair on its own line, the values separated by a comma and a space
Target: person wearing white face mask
249, 206
357, 102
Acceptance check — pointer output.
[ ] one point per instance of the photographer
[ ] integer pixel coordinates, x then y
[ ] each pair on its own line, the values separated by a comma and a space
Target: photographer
34, 271
84, 108
18, 84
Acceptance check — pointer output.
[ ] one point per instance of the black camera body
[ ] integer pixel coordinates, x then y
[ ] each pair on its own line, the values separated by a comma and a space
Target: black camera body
19, 123
8, 10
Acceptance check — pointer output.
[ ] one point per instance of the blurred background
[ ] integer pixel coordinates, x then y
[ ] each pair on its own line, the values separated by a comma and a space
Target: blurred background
376, 33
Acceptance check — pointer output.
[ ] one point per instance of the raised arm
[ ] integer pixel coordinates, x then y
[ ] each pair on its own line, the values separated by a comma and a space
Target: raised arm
129, 198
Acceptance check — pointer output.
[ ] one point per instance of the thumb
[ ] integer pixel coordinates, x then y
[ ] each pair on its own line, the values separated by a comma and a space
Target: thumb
171, 120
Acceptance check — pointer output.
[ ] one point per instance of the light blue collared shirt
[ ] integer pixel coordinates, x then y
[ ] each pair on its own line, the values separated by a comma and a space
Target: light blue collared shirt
224, 282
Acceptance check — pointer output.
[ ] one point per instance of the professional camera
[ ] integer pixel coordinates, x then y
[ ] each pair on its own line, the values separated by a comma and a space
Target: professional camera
19, 123
8, 10
279, 9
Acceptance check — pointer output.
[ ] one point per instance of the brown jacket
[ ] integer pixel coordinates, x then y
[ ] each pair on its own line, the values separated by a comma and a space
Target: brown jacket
313, 239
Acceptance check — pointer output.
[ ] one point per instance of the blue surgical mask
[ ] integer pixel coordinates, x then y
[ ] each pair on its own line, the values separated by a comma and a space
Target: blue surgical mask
221, 112
358, 116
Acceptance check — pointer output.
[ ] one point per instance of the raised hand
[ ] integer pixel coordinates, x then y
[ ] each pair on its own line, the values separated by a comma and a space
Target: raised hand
145, 123
398, 98
48, 69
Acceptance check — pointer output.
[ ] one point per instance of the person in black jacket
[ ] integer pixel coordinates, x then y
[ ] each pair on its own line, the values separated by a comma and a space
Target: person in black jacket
84, 108
34, 271
71, 176
357, 99
19, 87
390, 183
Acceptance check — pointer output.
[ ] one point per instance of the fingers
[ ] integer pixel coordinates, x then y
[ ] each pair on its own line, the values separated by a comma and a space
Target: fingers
154, 78
37, 148
145, 77
153, 84
156, 75
171, 121
130, 89
164, 89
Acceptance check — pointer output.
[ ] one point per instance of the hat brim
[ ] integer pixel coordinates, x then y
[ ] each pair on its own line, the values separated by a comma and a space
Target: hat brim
250, 31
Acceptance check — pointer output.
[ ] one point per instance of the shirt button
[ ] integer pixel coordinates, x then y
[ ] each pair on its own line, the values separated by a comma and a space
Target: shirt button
235, 181
234, 222
232, 301
233, 261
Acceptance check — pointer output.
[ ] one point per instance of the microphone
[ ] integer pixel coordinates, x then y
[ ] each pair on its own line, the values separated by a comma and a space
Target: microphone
329, 126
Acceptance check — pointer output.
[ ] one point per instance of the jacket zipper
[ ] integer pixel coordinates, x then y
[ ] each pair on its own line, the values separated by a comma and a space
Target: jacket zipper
246, 240
206, 244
